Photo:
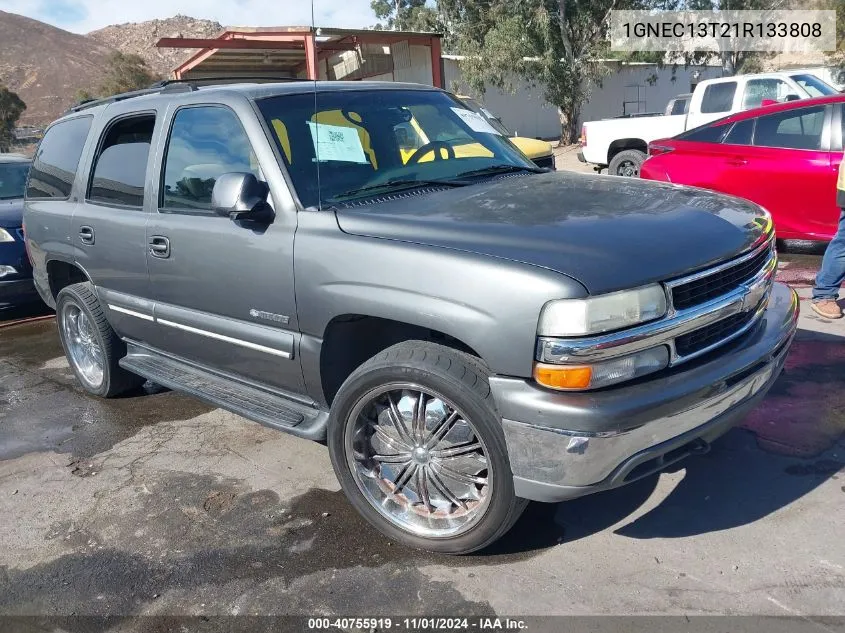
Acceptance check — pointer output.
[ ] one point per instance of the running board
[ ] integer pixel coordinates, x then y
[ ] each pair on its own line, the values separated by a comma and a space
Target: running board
251, 402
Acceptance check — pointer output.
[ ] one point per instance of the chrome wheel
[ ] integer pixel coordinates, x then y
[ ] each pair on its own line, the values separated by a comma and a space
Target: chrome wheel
418, 460
83, 348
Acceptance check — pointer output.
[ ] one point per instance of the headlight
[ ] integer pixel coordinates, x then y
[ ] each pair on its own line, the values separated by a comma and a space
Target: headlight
603, 313
602, 374
7, 270
5, 236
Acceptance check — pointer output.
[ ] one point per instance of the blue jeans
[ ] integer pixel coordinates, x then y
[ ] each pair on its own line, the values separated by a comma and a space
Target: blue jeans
832, 273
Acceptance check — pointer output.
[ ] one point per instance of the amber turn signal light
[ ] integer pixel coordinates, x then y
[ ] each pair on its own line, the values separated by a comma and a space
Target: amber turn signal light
562, 377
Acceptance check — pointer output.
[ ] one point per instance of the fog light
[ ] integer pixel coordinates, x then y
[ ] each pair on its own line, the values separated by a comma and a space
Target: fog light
610, 372
7, 270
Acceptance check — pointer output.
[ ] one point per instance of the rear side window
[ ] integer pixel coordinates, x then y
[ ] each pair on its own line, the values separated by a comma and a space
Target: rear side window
704, 134
718, 97
794, 129
57, 159
121, 164
679, 106
740, 133
205, 143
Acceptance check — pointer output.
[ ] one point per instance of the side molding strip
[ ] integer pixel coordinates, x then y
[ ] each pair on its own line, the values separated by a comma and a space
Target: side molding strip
228, 339
138, 315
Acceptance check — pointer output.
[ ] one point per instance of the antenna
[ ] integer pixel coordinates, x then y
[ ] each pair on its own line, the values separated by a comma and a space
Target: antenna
316, 129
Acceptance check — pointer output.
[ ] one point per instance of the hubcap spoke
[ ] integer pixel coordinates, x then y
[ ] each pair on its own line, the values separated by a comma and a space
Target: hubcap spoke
441, 429
419, 418
398, 421
455, 451
443, 489
462, 477
404, 477
422, 488
401, 458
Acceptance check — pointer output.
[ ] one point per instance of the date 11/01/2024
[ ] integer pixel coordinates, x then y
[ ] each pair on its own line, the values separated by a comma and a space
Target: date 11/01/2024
419, 624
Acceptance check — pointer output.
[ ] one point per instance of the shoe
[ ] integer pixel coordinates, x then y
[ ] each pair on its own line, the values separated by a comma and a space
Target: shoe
828, 308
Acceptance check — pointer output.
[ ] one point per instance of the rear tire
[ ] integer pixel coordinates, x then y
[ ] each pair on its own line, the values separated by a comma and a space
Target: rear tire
91, 346
457, 495
627, 163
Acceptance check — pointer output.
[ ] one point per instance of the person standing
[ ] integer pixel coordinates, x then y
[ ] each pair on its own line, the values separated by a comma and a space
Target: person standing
832, 272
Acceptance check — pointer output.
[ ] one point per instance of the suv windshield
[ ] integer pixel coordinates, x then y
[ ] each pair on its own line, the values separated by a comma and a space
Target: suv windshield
491, 118
814, 86
13, 180
360, 144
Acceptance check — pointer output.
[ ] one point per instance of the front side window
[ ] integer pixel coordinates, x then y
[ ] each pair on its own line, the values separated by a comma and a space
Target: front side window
365, 143
13, 179
740, 133
814, 86
120, 168
57, 159
205, 143
759, 90
718, 97
794, 129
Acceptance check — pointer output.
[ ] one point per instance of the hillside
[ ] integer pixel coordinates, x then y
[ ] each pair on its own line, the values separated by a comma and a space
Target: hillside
140, 38
46, 65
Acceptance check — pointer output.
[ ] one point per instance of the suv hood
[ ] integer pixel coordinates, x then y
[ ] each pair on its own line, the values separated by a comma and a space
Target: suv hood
608, 233
11, 213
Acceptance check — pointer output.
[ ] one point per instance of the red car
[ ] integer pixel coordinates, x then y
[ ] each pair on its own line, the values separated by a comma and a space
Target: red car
784, 157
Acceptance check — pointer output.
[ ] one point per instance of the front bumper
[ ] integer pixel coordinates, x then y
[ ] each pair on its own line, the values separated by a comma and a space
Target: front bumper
566, 445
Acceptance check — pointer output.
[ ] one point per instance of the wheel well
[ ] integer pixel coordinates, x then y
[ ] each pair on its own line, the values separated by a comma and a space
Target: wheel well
61, 275
352, 339
620, 145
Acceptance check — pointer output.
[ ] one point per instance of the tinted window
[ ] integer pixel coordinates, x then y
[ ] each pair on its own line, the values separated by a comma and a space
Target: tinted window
57, 159
205, 143
795, 129
718, 97
740, 133
121, 165
758, 90
13, 179
704, 134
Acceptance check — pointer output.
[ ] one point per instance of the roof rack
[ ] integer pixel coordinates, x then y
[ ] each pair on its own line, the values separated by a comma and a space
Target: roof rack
177, 85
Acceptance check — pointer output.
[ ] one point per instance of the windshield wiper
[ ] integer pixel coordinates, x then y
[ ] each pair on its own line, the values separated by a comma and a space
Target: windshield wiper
400, 184
501, 169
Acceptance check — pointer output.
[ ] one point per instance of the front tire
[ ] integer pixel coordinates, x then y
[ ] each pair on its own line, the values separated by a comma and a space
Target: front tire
91, 346
627, 163
418, 448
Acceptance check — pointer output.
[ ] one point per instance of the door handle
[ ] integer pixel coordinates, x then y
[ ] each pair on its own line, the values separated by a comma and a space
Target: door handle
86, 235
159, 246
737, 162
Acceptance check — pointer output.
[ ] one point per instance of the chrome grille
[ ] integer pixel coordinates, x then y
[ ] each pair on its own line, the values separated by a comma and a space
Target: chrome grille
705, 286
709, 335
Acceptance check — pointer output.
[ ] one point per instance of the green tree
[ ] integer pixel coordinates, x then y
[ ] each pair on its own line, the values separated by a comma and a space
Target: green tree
405, 15
733, 62
11, 108
125, 72
554, 44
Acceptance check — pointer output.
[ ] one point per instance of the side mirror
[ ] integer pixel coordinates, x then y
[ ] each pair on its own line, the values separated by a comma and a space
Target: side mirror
792, 97
241, 196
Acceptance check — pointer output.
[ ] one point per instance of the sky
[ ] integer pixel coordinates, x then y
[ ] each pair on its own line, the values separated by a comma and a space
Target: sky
82, 16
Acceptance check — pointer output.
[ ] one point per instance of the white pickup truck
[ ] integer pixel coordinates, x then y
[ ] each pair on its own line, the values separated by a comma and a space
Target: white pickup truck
621, 144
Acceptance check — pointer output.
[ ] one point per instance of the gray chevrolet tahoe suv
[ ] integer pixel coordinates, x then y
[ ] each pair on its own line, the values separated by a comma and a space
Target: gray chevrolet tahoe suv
373, 266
